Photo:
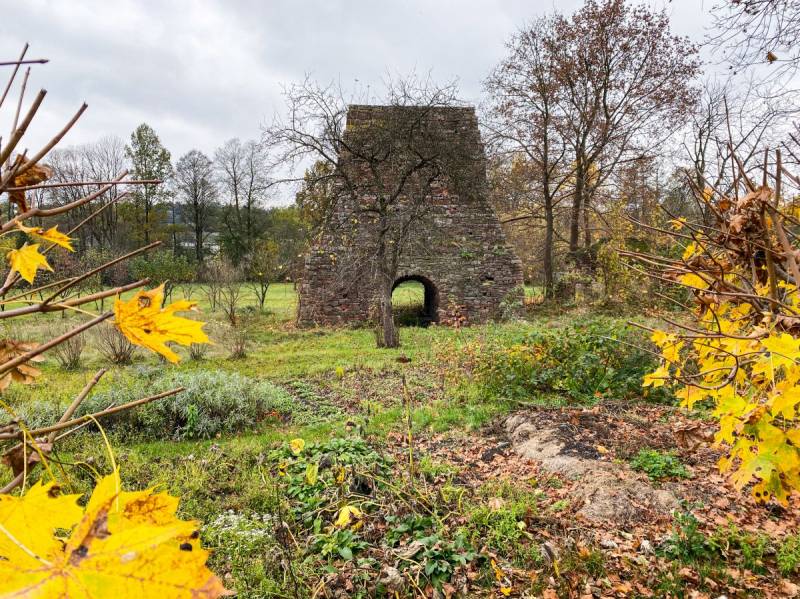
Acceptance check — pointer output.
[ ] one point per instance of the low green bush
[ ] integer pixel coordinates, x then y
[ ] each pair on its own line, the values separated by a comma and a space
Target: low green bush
581, 362
788, 555
213, 403
241, 545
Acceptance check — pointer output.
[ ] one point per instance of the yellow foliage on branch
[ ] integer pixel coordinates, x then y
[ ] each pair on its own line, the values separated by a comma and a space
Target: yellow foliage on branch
741, 355
121, 544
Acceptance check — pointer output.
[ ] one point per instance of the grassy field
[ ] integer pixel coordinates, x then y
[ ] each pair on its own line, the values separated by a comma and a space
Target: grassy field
383, 418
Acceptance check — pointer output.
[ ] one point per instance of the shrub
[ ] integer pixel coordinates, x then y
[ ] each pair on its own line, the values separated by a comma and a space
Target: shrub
214, 403
68, 353
240, 543
581, 361
198, 351
114, 346
788, 555
164, 266
687, 543
237, 340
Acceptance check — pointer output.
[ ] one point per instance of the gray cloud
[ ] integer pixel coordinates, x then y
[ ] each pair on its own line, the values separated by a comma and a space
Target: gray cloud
202, 71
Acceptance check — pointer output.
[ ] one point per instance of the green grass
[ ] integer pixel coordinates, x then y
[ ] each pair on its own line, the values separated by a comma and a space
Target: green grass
659, 465
408, 293
339, 365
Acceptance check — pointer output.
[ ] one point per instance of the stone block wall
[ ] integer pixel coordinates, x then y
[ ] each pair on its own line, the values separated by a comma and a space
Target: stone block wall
457, 247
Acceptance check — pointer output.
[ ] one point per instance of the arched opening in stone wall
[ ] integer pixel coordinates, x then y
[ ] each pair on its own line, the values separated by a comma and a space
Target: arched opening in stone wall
415, 301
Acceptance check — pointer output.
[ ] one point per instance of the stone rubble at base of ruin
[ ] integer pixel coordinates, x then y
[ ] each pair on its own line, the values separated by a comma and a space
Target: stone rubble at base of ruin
457, 251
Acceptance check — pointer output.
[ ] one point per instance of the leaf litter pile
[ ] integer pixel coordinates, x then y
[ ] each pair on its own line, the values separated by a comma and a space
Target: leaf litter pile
617, 500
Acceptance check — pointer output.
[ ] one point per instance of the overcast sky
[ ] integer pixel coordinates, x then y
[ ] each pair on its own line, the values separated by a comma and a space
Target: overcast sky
203, 71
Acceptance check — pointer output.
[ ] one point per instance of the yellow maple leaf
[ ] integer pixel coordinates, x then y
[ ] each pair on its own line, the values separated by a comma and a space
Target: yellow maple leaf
677, 223
693, 281
689, 395
29, 523
784, 349
660, 338
27, 260
671, 353
53, 235
297, 446
129, 544
346, 514
690, 250
657, 378
144, 322
785, 401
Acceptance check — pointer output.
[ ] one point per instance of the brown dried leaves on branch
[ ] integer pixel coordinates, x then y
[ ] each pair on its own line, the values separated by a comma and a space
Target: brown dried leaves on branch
21, 373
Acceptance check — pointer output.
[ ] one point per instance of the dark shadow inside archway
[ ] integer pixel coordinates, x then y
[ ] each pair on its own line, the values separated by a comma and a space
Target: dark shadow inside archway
415, 301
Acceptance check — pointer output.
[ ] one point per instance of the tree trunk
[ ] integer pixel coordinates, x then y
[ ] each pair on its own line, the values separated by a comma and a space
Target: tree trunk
198, 244
587, 229
575, 213
174, 232
389, 336
146, 226
549, 284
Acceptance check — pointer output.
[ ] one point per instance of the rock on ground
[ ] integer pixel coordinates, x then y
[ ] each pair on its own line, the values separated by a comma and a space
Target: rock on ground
608, 493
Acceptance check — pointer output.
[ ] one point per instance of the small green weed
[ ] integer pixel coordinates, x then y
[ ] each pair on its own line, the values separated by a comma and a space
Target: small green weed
747, 548
439, 557
412, 526
339, 543
658, 465
788, 555
432, 469
687, 543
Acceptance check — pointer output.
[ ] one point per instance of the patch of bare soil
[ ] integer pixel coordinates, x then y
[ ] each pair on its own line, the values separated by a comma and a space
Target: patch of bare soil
607, 493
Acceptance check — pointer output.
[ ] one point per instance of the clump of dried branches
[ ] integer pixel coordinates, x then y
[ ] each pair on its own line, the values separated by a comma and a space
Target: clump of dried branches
20, 173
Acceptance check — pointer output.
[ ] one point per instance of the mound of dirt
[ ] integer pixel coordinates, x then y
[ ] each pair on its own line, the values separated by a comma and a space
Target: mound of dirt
608, 493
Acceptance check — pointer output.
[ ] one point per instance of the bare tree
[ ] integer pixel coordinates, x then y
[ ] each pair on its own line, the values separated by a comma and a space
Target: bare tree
194, 182
523, 113
243, 179
581, 96
731, 118
758, 32
626, 82
388, 162
97, 161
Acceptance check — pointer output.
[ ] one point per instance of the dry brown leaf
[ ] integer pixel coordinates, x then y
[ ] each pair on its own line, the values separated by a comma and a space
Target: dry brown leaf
34, 175
22, 373
15, 458
691, 436
496, 503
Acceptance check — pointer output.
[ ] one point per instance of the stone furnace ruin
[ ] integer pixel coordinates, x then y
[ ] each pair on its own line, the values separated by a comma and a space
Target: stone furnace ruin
454, 246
